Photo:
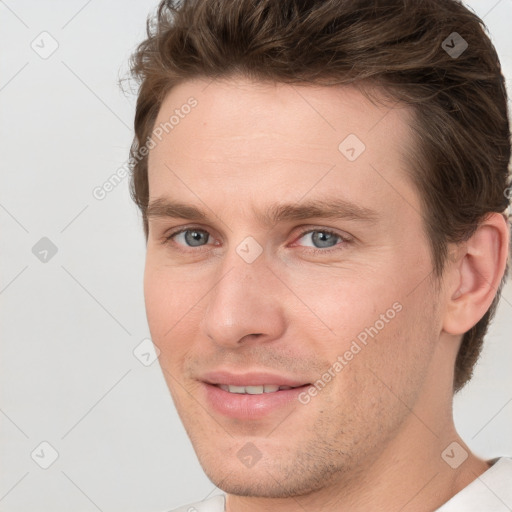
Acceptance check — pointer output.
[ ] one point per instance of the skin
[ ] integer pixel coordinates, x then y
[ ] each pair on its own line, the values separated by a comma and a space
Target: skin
372, 438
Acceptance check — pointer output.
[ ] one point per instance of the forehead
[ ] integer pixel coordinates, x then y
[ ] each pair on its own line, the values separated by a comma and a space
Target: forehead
237, 135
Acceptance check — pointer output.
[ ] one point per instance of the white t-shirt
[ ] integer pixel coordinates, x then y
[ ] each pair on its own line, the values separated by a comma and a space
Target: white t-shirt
490, 492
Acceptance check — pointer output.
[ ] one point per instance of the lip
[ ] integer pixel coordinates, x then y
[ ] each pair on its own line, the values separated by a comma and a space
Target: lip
246, 406
250, 379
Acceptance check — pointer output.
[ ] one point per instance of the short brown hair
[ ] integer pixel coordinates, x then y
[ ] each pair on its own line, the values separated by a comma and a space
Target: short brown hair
460, 162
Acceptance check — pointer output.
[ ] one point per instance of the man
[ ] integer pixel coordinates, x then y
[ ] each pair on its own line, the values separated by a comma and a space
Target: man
323, 187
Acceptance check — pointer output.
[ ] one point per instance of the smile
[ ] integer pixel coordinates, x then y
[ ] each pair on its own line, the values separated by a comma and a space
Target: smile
254, 390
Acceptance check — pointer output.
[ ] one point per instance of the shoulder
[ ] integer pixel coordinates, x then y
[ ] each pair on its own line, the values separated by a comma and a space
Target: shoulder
215, 504
501, 469
500, 474
491, 491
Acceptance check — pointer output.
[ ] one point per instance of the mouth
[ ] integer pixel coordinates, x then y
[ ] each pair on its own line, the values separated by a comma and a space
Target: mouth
251, 396
255, 389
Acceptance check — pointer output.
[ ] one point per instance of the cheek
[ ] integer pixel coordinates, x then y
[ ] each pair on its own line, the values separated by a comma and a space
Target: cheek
394, 363
171, 319
337, 307
158, 302
168, 298
375, 329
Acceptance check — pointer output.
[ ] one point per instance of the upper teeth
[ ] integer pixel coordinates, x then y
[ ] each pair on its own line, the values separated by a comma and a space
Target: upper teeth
253, 390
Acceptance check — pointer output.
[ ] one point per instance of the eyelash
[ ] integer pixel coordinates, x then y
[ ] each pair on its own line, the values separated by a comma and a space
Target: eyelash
345, 240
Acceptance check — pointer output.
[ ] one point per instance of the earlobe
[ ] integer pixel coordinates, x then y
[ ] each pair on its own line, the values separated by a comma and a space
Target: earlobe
477, 274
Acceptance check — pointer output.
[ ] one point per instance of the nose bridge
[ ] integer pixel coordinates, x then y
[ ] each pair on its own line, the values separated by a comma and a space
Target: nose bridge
242, 301
244, 266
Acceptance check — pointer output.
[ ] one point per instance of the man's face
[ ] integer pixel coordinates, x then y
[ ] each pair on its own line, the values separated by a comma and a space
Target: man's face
342, 306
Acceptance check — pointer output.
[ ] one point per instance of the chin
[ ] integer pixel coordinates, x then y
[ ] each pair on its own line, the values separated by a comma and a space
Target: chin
261, 486
275, 478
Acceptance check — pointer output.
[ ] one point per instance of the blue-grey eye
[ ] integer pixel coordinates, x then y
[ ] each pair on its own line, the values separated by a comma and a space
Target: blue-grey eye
194, 237
322, 239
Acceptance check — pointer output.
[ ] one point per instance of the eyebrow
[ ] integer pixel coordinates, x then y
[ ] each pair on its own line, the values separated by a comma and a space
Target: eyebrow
333, 208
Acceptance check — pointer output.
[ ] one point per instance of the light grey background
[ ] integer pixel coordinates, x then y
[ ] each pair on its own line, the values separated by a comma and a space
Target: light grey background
68, 374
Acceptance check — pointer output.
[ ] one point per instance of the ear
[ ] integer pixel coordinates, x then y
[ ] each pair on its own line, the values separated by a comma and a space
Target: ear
476, 274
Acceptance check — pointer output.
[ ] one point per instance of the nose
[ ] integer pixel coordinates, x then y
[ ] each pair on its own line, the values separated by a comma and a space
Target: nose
245, 304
